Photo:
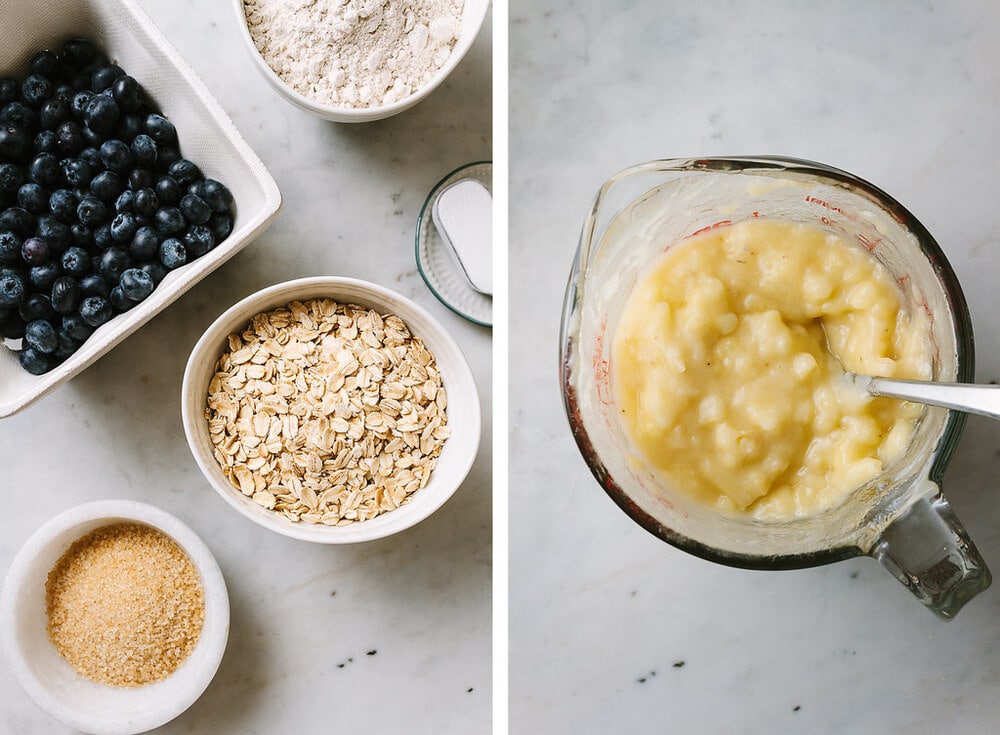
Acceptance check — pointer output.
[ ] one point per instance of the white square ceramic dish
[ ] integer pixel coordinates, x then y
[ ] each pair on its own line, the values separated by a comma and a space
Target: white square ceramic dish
207, 137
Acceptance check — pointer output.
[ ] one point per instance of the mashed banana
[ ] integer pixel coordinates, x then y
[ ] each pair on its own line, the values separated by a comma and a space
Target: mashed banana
728, 366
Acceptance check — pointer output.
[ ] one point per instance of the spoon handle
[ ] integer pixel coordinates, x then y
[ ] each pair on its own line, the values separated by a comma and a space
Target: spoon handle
968, 397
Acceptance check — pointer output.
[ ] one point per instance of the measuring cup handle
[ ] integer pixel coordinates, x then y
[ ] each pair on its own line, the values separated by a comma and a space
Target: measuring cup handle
927, 550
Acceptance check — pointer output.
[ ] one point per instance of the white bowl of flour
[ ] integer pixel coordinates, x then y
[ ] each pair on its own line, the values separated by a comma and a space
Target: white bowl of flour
358, 60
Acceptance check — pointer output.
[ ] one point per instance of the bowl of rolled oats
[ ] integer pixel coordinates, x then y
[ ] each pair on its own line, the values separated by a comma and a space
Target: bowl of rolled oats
331, 410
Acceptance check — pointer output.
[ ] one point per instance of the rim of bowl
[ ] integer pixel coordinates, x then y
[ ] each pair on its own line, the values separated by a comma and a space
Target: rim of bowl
375, 296
62, 530
365, 114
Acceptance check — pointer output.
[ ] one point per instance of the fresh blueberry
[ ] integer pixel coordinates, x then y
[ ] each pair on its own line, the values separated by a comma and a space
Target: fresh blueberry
217, 195
198, 240
146, 202
75, 327
155, 270
80, 234
41, 336
54, 111
107, 185
184, 171
91, 211
12, 290
141, 178
102, 236
102, 113
45, 63
11, 178
144, 150
33, 197
15, 141
119, 300
43, 276
168, 190
36, 363
117, 156
76, 172
10, 90
36, 89
173, 253
166, 155
123, 227
136, 284
94, 285
92, 156
169, 220
65, 294
114, 262
195, 209
104, 76
10, 248
36, 306
125, 201
34, 251
45, 141
92, 138
128, 127
17, 220
160, 129
145, 243
69, 138
44, 169
95, 310
78, 104
20, 113
67, 346
78, 52
127, 93
57, 234
62, 205
75, 262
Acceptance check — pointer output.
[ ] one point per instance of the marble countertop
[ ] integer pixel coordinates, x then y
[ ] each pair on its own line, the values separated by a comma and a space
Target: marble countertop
612, 630
383, 637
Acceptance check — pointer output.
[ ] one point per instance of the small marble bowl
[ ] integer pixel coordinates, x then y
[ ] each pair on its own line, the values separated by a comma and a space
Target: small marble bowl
473, 15
463, 411
48, 678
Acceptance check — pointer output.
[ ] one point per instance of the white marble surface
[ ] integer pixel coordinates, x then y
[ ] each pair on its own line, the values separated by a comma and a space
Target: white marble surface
384, 637
610, 629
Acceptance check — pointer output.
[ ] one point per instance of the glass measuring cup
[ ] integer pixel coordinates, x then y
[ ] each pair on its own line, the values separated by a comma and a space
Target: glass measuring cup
900, 518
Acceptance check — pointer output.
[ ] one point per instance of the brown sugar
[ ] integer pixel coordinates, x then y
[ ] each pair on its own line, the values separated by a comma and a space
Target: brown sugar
125, 605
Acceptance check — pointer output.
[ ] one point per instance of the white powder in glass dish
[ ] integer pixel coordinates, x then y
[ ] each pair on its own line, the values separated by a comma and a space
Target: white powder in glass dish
354, 54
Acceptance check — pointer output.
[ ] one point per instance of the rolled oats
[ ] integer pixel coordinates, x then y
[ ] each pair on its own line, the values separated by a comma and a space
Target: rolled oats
327, 413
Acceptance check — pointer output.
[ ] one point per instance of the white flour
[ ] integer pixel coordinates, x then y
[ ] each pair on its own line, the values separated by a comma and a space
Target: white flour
354, 53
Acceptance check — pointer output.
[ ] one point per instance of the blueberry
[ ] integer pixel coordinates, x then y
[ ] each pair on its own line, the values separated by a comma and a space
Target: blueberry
53, 112
123, 227
75, 327
217, 195
119, 300
80, 234
195, 209
62, 205
95, 310
12, 290
65, 294
34, 251
104, 76
36, 306
166, 155
43, 276
184, 171
144, 150
76, 172
198, 240
101, 113
92, 156
141, 178
173, 253
44, 169
78, 52
155, 270
10, 248
20, 113
169, 220
107, 185
36, 89
75, 262
127, 93
15, 142
45, 63
136, 284
57, 234
125, 201
168, 190
117, 156
10, 90
36, 363
40, 336
69, 138
146, 202
67, 346
17, 220
160, 129
78, 104
102, 236
94, 285
45, 141
91, 211
11, 178
114, 261
145, 243
92, 138
33, 197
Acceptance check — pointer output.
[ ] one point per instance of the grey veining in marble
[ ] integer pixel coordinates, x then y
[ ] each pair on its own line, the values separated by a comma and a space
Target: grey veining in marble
385, 637
610, 629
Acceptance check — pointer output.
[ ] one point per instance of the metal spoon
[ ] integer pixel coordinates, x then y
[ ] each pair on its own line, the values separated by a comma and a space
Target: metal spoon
968, 397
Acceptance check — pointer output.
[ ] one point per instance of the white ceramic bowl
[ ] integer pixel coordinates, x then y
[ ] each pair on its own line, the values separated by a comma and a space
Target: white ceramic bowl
473, 14
463, 411
44, 673
207, 136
